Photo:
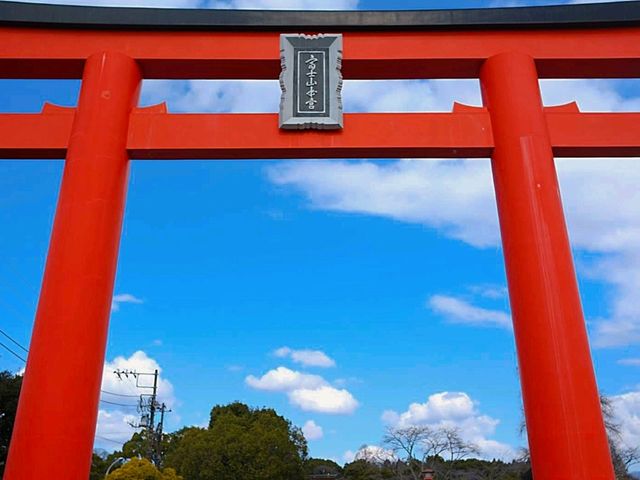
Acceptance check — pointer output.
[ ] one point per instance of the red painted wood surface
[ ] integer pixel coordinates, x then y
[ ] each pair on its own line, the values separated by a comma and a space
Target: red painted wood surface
56, 419
156, 136
56, 53
562, 408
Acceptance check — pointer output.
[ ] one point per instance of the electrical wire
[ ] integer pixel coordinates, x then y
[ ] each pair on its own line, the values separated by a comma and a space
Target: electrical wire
12, 352
118, 404
120, 394
109, 440
104, 401
14, 341
27, 351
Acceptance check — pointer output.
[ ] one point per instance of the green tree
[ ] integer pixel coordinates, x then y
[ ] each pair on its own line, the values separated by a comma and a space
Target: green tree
99, 464
136, 446
142, 469
241, 443
321, 466
9, 392
369, 470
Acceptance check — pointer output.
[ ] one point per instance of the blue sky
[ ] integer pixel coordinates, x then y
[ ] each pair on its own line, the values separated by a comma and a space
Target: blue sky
384, 280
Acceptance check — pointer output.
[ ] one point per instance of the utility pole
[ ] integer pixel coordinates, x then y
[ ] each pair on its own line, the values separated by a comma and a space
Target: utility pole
147, 410
158, 436
151, 444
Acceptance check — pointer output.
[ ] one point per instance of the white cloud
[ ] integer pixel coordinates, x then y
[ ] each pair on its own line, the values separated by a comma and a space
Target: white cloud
456, 198
617, 332
283, 379
312, 431
630, 362
591, 95
439, 407
349, 456
408, 95
311, 393
324, 399
462, 312
341, 382
123, 298
494, 292
263, 96
369, 453
453, 196
627, 412
622, 270
247, 96
308, 358
114, 428
454, 409
282, 352
312, 358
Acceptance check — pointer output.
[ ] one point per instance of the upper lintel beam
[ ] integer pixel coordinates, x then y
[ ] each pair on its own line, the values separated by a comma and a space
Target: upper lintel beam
52, 53
597, 15
465, 134
577, 41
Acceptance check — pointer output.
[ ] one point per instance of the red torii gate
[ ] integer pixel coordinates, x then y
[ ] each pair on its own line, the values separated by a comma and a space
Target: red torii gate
112, 50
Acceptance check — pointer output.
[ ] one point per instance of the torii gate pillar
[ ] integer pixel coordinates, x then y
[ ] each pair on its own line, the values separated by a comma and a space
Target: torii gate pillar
56, 419
562, 408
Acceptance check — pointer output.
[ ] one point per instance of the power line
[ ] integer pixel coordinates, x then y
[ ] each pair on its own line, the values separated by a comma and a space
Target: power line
104, 401
12, 352
14, 341
120, 394
109, 440
118, 404
27, 351
155, 434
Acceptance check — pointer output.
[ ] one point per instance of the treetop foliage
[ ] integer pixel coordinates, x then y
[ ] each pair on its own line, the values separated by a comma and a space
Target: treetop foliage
142, 469
240, 443
9, 392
